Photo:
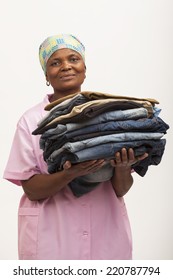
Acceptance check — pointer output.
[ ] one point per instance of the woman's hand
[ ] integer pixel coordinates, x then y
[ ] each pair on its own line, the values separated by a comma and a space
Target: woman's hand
122, 179
83, 168
126, 158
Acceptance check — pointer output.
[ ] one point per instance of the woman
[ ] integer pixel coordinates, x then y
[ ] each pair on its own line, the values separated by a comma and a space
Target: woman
53, 223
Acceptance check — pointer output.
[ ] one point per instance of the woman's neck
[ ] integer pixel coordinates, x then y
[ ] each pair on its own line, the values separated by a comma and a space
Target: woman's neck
57, 94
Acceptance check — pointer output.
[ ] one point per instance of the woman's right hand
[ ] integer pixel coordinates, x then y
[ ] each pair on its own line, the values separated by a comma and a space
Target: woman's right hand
83, 168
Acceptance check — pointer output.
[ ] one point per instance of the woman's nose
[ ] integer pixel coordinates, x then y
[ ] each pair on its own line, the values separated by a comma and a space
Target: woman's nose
65, 66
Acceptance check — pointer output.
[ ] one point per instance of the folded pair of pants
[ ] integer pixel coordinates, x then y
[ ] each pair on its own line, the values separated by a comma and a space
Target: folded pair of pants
62, 109
110, 132
111, 138
128, 114
119, 115
53, 145
81, 186
154, 148
55, 141
154, 124
92, 95
94, 108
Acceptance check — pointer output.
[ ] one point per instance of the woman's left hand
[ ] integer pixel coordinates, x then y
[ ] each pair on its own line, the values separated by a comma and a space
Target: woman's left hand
126, 158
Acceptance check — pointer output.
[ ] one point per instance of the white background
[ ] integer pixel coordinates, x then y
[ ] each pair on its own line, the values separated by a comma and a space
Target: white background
129, 47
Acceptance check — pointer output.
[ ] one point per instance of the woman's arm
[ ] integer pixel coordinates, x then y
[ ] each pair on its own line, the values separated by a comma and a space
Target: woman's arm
122, 179
42, 186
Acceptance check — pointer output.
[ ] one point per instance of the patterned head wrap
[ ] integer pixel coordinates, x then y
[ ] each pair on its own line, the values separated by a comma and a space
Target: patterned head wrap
57, 42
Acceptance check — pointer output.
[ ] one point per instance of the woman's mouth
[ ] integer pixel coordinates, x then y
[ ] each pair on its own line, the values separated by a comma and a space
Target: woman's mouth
67, 77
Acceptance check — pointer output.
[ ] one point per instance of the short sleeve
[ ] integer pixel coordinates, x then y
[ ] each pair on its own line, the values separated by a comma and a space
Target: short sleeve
22, 163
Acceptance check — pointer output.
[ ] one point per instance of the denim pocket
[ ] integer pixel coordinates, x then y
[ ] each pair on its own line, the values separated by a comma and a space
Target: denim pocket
28, 231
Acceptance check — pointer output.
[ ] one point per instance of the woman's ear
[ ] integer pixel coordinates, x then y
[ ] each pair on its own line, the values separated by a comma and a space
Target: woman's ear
46, 76
47, 80
85, 71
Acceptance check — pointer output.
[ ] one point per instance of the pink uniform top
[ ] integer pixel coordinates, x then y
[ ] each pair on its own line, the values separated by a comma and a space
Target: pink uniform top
94, 226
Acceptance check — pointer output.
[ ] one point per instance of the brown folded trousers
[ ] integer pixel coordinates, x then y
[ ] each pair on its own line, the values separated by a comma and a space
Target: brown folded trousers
91, 95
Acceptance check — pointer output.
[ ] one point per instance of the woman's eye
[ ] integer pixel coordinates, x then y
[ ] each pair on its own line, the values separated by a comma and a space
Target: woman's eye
55, 63
74, 59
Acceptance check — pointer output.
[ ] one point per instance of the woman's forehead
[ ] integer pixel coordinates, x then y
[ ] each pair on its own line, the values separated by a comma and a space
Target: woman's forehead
64, 52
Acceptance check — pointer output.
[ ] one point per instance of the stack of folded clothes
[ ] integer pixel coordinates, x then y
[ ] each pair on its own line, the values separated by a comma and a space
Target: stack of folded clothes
93, 125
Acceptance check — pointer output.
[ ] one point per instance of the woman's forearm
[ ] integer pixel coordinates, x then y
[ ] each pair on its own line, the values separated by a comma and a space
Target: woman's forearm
42, 186
122, 180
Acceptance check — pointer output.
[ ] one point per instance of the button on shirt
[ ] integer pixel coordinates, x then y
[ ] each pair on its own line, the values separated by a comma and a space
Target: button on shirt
94, 226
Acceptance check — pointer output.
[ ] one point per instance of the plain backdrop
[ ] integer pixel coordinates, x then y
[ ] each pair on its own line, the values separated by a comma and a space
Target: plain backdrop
129, 47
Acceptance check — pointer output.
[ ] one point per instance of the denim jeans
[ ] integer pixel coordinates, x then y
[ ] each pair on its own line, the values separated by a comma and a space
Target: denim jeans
118, 115
60, 130
87, 183
82, 113
155, 149
55, 141
149, 125
73, 147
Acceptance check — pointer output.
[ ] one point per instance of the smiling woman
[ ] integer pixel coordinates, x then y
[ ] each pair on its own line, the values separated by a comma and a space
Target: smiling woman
62, 58
65, 71
53, 223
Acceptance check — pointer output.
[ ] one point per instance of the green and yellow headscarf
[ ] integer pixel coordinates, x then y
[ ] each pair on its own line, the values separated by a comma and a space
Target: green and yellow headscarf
57, 42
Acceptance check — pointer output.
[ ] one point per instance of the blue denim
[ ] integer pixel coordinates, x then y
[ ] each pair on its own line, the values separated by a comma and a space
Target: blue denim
108, 150
156, 111
73, 147
90, 111
115, 115
129, 114
154, 124
85, 184
61, 130
51, 145
154, 148
143, 125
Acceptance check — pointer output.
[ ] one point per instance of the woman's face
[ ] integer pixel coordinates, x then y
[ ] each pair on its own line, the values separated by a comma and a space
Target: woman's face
65, 70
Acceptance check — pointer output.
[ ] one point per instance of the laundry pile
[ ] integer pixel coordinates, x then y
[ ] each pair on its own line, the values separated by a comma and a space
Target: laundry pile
93, 125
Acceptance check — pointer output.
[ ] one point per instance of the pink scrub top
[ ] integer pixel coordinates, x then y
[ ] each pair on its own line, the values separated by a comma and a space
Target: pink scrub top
94, 226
